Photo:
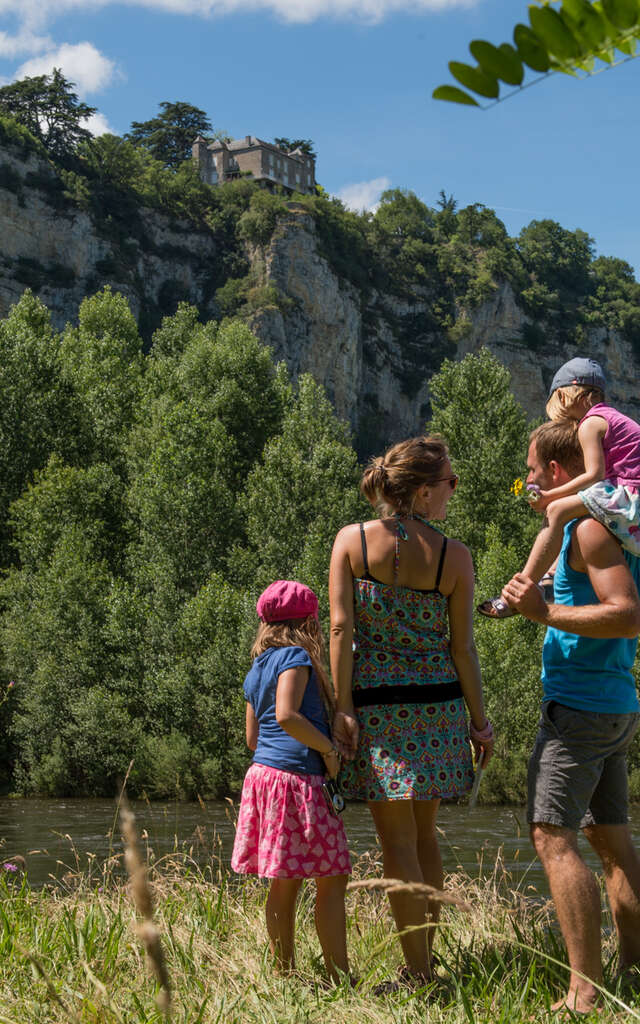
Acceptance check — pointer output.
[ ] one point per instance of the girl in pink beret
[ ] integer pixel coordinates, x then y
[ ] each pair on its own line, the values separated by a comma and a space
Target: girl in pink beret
289, 827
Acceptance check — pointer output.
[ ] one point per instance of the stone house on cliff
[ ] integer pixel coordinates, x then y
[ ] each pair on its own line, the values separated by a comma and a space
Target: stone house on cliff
219, 162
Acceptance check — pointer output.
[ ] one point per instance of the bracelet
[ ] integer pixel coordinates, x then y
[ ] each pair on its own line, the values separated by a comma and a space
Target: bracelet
331, 750
483, 735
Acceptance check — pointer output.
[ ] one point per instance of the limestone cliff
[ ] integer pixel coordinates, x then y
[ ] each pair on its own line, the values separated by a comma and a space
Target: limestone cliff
374, 353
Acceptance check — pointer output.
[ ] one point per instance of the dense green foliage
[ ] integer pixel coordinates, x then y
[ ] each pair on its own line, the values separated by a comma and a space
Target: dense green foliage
146, 502
47, 106
568, 36
170, 136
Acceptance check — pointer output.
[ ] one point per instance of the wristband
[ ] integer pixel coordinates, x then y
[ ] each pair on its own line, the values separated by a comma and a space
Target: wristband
483, 735
331, 750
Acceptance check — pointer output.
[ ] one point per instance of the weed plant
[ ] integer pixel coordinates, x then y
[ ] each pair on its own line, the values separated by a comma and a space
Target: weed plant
70, 952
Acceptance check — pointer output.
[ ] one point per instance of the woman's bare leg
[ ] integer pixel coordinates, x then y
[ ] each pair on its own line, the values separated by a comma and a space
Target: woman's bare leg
281, 919
396, 827
331, 924
426, 812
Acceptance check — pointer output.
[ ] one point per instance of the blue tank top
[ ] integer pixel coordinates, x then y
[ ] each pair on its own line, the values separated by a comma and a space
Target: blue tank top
583, 672
276, 747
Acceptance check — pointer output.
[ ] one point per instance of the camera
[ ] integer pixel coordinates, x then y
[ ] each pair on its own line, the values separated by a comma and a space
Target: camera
333, 797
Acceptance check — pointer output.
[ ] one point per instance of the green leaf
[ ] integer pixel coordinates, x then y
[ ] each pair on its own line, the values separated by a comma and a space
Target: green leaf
502, 62
531, 49
474, 79
556, 36
628, 47
452, 94
622, 13
587, 23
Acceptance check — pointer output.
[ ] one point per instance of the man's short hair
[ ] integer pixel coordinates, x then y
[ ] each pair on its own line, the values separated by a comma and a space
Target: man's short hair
558, 441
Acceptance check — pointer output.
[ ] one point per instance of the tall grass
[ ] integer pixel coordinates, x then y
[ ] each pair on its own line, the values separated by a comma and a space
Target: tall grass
70, 952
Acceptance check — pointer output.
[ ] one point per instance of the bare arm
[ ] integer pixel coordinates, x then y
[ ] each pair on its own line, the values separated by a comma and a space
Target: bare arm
345, 724
590, 435
463, 648
289, 693
617, 614
251, 727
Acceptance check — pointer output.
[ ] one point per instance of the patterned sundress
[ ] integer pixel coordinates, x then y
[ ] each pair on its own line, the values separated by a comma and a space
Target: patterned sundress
413, 732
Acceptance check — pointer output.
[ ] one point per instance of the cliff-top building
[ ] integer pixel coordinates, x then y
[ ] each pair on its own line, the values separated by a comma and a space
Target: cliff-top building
219, 162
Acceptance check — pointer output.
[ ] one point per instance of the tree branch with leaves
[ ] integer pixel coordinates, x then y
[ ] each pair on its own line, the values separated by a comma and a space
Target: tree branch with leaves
575, 37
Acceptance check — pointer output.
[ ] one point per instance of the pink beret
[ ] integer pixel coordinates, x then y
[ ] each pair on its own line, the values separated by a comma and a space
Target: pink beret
286, 599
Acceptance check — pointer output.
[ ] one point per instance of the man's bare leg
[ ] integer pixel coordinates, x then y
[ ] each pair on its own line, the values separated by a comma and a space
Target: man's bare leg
621, 864
577, 901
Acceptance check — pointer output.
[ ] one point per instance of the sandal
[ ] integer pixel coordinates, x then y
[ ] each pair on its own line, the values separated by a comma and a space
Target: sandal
496, 608
546, 586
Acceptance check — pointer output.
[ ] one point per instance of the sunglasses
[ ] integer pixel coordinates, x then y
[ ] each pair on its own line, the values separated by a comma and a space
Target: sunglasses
451, 480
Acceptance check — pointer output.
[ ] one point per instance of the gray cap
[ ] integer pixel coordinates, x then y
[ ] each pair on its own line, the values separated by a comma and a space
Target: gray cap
579, 371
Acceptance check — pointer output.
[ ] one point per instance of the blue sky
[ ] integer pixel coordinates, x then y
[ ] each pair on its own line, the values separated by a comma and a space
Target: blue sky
356, 77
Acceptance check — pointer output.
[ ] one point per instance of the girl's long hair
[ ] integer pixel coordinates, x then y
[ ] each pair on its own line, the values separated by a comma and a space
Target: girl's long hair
298, 633
563, 402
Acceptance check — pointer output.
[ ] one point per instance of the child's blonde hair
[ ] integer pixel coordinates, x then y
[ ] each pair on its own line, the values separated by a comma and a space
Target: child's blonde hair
563, 403
297, 633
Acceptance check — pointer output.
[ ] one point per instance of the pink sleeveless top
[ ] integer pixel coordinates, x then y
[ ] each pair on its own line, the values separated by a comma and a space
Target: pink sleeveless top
621, 445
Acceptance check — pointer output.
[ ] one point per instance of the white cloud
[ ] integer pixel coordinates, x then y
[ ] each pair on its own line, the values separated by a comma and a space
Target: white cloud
364, 195
80, 63
36, 13
98, 124
24, 42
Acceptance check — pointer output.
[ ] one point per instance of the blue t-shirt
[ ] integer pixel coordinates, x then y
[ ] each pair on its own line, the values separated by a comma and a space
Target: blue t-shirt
276, 747
583, 672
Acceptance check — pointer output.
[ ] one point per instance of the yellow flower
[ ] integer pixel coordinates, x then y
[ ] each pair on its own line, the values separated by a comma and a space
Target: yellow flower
517, 487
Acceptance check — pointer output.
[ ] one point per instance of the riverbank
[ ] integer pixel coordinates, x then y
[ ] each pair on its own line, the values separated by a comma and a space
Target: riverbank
70, 952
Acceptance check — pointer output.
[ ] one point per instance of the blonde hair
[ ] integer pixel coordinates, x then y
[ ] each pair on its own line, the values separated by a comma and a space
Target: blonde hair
297, 633
563, 403
390, 481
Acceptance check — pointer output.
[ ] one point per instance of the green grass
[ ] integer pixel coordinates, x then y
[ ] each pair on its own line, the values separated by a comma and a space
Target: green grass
70, 952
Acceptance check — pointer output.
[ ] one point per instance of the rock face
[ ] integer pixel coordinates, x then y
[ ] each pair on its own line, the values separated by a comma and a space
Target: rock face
375, 356
51, 244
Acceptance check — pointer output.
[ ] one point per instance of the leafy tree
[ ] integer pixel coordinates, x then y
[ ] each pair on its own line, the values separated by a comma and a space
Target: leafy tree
486, 431
39, 412
570, 37
169, 136
74, 725
101, 358
50, 109
301, 493
288, 145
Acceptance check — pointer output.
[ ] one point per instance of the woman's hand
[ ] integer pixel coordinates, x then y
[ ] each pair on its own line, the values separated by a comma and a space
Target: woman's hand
482, 741
332, 762
346, 732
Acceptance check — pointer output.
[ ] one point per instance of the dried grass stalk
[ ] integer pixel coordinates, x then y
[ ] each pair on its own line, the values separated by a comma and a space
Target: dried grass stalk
395, 885
143, 901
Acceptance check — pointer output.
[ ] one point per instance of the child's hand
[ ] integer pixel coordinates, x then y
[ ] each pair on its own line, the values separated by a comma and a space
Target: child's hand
331, 760
537, 498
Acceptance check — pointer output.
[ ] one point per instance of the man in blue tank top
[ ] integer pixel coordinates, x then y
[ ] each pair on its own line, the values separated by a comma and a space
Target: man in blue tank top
590, 712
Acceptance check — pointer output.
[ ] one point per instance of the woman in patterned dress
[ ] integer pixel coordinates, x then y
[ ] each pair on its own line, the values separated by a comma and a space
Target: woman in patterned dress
404, 666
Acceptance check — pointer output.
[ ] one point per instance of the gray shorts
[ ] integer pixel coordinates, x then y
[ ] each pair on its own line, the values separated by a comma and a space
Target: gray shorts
578, 767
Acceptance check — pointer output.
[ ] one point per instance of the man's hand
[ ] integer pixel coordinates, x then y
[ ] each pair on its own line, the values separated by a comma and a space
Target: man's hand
346, 732
526, 597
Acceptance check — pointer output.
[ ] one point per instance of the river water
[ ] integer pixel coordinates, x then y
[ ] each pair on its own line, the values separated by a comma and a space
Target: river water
57, 837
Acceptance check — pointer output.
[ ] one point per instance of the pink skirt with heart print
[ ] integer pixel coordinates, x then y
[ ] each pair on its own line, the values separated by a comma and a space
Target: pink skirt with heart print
285, 829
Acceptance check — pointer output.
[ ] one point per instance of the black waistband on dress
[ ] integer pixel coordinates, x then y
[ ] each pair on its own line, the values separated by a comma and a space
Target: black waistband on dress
411, 693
